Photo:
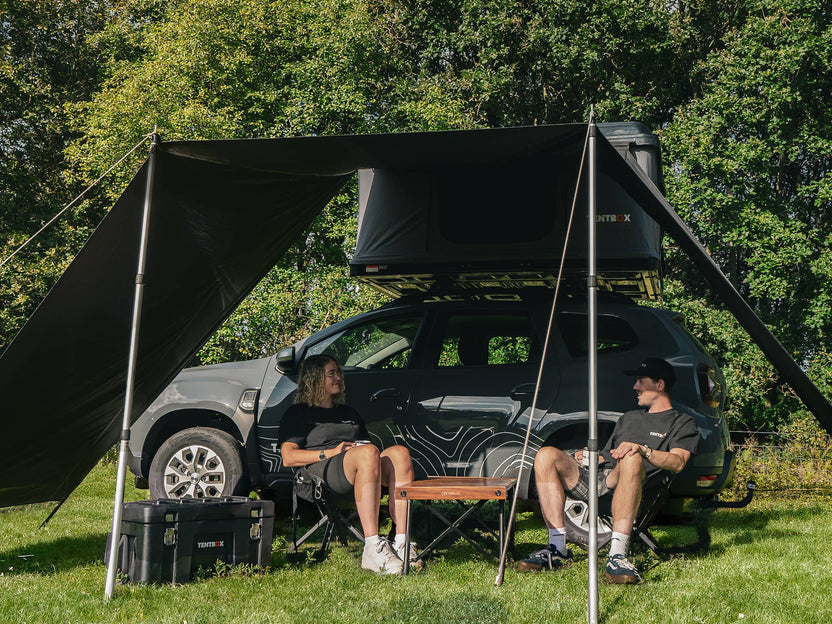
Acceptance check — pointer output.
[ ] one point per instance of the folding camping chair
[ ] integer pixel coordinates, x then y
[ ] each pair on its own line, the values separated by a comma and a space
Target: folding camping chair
333, 520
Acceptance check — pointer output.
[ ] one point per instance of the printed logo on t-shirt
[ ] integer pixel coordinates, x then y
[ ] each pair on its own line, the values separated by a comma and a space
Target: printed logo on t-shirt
658, 434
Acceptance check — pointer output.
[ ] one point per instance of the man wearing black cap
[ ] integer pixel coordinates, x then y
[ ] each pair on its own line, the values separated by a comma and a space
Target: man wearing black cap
644, 442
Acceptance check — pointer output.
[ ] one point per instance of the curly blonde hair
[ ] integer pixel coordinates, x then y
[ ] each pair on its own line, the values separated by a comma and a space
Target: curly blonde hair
311, 387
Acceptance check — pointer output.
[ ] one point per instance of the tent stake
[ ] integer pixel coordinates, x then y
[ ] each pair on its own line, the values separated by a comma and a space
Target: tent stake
118, 503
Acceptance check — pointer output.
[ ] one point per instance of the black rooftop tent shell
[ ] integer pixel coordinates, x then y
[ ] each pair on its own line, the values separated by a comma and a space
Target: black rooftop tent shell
223, 214
501, 224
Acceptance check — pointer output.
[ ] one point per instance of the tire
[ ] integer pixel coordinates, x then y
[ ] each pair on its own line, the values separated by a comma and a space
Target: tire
576, 514
198, 463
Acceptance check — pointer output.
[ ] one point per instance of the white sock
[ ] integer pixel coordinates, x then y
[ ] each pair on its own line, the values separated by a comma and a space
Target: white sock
557, 538
619, 544
371, 540
399, 539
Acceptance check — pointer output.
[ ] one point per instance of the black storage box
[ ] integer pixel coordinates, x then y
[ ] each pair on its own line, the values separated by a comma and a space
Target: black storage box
168, 540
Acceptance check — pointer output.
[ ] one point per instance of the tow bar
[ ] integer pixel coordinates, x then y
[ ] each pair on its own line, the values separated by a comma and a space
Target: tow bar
750, 488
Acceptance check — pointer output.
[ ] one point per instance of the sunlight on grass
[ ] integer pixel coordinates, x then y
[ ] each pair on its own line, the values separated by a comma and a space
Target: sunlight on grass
763, 562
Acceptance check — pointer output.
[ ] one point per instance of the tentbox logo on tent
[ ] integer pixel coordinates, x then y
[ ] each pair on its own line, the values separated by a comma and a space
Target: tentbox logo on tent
613, 218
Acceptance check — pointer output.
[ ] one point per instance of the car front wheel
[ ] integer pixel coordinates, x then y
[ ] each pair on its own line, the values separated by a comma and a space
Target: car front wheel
198, 463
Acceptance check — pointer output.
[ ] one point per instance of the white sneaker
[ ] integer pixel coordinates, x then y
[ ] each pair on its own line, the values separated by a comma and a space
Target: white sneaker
415, 564
380, 558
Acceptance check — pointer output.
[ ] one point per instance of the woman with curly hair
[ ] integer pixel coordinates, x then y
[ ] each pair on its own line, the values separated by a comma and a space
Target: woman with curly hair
327, 436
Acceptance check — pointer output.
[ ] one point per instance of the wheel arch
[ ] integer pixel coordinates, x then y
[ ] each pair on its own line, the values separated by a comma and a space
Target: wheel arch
573, 434
178, 420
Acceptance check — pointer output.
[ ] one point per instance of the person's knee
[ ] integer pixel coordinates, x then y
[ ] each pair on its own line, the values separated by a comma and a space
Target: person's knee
631, 466
397, 458
547, 456
551, 463
398, 454
365, 457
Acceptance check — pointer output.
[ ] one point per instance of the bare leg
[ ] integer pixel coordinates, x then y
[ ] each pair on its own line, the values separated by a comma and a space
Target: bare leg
627, 480
396, 470
555, 472
363, 470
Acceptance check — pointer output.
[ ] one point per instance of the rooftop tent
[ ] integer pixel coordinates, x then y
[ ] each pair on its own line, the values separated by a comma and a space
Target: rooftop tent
223, 213
502, 224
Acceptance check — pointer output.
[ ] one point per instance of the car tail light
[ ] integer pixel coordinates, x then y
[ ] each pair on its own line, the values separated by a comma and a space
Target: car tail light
710, 387
706, 481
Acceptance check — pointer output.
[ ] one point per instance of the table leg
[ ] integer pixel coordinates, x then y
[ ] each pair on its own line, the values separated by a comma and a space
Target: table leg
502, 521
406, 562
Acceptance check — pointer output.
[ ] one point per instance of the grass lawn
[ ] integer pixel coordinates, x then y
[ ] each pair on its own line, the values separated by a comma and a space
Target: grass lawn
765, 563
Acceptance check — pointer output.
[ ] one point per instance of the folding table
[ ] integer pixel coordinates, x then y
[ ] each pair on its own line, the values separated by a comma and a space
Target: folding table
460, 489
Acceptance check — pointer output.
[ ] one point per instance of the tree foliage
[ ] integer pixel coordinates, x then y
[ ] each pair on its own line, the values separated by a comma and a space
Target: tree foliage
750, 164
737, 90
45, 63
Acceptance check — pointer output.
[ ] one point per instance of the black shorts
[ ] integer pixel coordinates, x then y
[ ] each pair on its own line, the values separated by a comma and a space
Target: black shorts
331, 470
580, 491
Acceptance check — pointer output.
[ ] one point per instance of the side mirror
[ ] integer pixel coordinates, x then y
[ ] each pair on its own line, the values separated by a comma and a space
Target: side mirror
285, 361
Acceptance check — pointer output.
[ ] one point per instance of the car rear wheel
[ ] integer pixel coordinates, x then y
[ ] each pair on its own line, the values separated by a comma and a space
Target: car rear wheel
576, 514
198, 463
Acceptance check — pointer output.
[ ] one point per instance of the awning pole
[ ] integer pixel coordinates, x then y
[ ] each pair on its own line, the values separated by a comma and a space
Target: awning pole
592, 440
118, 503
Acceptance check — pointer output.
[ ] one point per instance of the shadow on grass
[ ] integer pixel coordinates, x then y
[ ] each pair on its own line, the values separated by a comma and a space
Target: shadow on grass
60, 555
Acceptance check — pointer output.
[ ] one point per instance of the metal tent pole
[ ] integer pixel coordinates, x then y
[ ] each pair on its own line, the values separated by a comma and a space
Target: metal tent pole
592, 440
118, 503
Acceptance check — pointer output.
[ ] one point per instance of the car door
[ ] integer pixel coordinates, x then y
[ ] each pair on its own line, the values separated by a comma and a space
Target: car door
475, 382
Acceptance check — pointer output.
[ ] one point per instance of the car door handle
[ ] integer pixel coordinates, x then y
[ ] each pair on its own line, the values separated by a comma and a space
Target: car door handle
522, 391
385, 393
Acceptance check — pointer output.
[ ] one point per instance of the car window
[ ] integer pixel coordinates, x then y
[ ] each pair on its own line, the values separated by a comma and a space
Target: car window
379, 344
613, 333
486, 340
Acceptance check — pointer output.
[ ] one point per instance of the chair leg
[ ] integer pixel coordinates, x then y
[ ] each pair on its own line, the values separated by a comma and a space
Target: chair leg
645, 536
297, 542
327, 539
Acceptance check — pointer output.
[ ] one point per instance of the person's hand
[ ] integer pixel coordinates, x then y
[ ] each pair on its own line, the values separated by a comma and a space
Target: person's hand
344, 446
625, 449
579, 457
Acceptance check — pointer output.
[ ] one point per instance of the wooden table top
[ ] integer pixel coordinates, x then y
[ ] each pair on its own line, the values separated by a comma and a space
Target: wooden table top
457, 488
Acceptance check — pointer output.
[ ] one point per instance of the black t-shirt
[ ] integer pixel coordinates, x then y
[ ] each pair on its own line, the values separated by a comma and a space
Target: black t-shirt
661, 431
318, 428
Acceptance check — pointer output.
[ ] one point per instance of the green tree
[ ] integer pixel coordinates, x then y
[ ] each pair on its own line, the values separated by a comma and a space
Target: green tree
547, 61
230, 69
749, 162
46, 61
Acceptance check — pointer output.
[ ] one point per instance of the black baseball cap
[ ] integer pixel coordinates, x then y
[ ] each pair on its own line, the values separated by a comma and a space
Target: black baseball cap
655, 368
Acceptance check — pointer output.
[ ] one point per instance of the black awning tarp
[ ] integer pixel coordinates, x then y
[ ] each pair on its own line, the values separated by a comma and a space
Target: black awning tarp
223, 213
215, 230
